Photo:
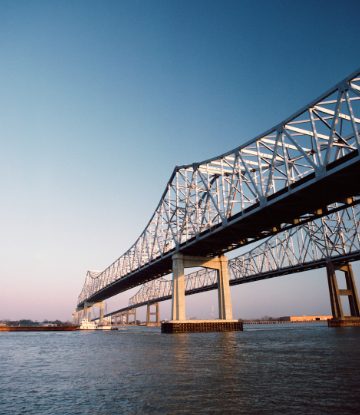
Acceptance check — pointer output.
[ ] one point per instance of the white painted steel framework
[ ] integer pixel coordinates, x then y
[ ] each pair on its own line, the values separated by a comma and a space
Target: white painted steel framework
203, 197
332, 238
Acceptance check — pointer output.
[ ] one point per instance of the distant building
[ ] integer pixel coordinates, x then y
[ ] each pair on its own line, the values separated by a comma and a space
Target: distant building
305, 318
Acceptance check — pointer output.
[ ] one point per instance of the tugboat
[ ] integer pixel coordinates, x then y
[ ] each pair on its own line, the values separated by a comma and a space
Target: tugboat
87, 325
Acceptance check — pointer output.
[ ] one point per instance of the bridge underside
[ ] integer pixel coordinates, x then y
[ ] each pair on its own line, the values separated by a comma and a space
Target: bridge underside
339, 261
282, 210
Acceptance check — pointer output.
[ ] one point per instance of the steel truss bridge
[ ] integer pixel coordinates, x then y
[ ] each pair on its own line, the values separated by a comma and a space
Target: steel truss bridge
302, 169
335, 238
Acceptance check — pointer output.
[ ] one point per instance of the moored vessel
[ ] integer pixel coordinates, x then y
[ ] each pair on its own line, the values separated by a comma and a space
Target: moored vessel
39, 328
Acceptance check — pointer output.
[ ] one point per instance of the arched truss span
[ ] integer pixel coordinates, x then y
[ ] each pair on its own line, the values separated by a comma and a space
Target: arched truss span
288, 175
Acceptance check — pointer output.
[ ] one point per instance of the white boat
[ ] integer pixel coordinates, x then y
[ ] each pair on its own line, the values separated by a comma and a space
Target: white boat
87, 325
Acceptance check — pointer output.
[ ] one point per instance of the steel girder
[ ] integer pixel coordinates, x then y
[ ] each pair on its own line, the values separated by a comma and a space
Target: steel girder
334, 238
286, 176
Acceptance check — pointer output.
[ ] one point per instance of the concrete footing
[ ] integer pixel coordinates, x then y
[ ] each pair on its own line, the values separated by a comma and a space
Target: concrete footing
344, 322
187, 326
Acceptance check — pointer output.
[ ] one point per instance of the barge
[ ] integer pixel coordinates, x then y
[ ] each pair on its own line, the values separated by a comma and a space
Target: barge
39, 328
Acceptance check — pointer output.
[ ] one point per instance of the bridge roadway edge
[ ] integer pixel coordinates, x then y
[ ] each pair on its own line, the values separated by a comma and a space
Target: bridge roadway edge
304, 197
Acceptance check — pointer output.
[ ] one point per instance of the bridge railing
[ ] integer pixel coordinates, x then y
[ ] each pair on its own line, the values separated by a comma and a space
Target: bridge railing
202, 197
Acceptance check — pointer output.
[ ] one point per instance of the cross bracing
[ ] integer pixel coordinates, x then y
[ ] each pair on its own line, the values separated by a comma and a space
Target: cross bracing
334, 238
290, 174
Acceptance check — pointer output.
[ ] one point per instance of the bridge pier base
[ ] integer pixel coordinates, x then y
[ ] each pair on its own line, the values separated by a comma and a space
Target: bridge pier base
180, 262
155, 313
178, 323
200, 326
339, 319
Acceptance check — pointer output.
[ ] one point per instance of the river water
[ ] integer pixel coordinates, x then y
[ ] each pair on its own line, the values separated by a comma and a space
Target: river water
285, 368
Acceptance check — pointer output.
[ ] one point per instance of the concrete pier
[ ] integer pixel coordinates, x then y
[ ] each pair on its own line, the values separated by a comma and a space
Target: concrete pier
178, 297
101, 316
178, 322
180, 262
131, 313
339, 319
346, 321
155, 313
186, 326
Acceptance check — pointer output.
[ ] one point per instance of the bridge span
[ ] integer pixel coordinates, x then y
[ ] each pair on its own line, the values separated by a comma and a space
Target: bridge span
291, 174
331, 241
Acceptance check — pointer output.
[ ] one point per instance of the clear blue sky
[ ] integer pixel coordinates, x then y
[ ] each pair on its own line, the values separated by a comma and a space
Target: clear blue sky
99, 100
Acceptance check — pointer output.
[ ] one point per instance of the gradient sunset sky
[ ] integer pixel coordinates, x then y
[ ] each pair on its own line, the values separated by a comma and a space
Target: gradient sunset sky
99, 100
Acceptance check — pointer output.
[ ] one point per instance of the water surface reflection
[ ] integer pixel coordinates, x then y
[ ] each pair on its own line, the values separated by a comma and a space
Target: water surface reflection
275, 369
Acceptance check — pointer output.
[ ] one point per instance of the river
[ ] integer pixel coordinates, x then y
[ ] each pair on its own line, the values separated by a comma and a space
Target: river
283, 368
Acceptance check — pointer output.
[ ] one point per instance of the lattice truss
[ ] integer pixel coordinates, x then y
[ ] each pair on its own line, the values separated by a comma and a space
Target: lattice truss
333, 236
161, 287
202, 196
152, 290
336, 235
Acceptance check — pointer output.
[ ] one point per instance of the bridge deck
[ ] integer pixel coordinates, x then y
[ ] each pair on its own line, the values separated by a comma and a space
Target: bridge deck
279, 212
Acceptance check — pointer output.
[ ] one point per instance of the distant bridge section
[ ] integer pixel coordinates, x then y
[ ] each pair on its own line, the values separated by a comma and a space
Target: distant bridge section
289, 175
335, 238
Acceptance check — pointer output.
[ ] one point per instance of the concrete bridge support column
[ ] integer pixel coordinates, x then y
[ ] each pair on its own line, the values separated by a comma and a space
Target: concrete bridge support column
351, 292
180, 262
224, 298
101, 318
155, 313
131, 313
335, 302
178, 296
85, 310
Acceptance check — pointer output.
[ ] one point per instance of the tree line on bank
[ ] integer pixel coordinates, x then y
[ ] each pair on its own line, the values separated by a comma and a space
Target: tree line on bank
31, 323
